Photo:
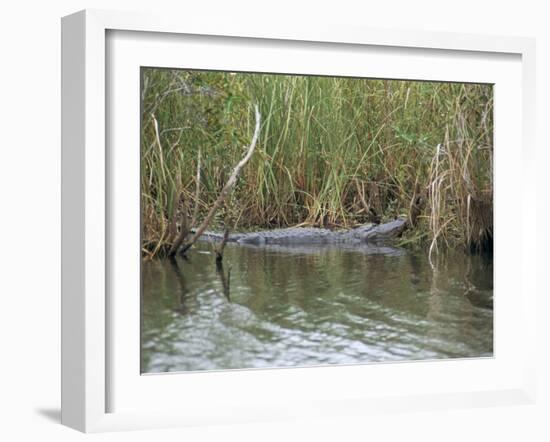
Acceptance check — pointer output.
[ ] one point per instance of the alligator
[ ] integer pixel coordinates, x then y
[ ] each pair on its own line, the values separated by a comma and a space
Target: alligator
375, 234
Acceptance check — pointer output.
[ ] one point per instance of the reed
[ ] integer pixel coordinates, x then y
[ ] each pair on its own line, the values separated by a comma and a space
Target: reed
332, 152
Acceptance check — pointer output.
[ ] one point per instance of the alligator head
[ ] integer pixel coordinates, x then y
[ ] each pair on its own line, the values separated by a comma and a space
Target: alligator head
383, 232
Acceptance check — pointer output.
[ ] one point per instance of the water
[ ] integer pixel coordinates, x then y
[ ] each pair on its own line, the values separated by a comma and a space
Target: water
281, 307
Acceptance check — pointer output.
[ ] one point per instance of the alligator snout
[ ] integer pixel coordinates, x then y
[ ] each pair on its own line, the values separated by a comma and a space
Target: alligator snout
384, 232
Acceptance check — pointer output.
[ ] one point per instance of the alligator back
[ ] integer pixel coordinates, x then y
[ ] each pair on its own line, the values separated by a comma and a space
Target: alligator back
309, 235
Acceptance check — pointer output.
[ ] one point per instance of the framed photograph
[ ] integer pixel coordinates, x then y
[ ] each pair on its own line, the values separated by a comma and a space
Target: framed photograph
263, 222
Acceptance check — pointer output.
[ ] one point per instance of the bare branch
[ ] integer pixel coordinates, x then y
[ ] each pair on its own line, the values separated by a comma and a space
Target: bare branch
219, 250
229, 185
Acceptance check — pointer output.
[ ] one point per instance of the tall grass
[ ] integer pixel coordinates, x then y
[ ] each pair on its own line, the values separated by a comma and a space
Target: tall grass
332, 152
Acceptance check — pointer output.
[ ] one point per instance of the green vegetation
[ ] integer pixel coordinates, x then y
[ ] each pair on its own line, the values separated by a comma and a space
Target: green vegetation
333, 152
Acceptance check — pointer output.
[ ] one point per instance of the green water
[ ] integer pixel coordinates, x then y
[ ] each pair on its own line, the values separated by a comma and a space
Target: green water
283, 307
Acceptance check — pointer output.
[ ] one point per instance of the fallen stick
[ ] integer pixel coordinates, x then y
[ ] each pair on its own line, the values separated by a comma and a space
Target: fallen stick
219, 249
228, 186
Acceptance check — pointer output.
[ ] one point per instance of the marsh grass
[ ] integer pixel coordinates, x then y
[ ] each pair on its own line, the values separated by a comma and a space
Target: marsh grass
332, 152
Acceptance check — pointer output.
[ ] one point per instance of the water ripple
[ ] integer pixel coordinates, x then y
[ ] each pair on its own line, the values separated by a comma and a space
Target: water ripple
311, 307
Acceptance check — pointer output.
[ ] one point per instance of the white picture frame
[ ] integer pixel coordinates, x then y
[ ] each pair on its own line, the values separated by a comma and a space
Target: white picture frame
87, 319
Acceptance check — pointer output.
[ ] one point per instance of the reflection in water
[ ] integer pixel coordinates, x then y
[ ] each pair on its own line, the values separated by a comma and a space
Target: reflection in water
280, 307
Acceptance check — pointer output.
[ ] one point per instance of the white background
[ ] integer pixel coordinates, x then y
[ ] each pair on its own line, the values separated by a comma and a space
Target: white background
30, 217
